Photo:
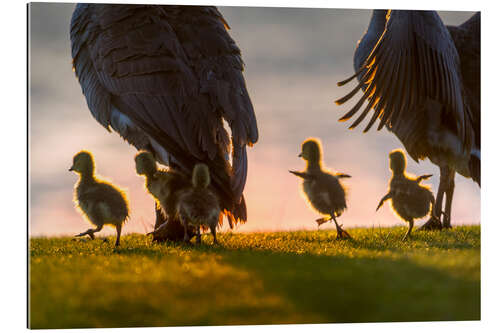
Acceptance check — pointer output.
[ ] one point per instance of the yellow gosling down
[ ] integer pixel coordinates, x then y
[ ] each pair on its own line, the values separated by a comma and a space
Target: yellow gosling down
164, 186
410, 199
323, 189
198, 206
100, 202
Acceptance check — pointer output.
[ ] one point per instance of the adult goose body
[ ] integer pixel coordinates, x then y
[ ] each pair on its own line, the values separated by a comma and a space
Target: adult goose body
421, 80
165, 78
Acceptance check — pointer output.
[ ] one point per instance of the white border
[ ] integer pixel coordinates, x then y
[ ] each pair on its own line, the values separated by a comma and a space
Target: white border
13, 195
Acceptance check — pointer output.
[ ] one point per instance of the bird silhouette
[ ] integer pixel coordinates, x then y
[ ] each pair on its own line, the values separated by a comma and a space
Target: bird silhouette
99, 201
323, 189
165, 78
421, 79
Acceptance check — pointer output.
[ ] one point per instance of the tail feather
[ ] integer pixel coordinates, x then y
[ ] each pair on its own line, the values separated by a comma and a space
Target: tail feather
475, 169
240, 211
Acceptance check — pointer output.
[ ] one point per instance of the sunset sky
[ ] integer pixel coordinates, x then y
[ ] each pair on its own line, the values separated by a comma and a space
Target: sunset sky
294, 57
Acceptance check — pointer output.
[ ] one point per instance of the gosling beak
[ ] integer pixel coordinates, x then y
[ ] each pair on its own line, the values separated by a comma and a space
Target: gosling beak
71, 169
300, 155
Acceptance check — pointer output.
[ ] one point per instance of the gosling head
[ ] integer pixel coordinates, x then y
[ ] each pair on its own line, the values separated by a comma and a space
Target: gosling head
83, 163
311, 150
145, 163
201, 176
397, 161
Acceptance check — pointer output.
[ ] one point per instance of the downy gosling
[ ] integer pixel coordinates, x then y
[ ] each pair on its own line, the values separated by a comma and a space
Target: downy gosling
323, 189
198, 206
164, 186
410, 199
99, 201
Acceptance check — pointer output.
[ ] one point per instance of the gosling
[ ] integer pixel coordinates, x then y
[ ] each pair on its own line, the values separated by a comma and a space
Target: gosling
410, 199
99, 201
164, 187
198, 206
323, 189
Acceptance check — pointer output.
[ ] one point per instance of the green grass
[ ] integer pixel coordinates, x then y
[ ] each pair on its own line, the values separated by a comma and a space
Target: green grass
257, 278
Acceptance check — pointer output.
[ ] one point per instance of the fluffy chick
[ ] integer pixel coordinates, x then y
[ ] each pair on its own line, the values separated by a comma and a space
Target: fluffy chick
198, 205
410, 199
101, 202
323, 189
164, 186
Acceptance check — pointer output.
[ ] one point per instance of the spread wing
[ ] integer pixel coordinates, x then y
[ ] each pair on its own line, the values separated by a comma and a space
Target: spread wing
173, 74
414, 60
467, 40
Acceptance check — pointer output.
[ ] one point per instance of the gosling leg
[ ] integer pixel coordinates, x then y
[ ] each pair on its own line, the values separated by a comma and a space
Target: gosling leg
90, 232
340, 232
118, 233
408, 233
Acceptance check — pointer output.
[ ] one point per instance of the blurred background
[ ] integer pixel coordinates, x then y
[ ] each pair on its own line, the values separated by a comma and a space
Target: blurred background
294, 57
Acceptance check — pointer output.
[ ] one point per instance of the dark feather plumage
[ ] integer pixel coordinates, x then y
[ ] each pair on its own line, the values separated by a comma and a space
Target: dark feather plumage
468, 43
165, 78
421, 79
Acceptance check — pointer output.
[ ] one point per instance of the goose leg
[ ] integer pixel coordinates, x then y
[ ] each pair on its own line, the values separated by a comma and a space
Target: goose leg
341, 233
184, 223
433, 223
160, 218
172, 228
449, 198
214, 233
410, 227
443, 185
160, 229
198, 235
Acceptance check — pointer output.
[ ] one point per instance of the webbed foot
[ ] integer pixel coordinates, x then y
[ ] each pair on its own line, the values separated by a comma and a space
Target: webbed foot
342, 234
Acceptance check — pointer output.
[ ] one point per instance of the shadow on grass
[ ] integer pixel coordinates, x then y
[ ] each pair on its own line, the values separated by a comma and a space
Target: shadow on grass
342, 289
182, 285
339, 288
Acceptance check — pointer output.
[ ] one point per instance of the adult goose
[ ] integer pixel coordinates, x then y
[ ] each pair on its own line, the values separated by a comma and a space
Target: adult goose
165, 78
421, 79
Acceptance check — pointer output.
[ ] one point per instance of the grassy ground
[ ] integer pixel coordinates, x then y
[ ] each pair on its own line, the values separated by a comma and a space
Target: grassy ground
259, 278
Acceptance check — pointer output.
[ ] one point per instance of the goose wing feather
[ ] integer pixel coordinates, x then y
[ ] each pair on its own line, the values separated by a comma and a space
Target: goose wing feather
417, 52
176, 73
